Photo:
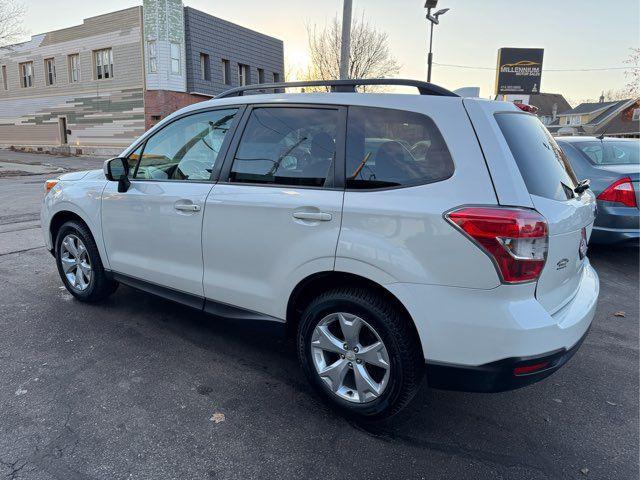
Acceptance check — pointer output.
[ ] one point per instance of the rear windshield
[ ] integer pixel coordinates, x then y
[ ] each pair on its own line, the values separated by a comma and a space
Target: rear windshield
610, 152
543, 165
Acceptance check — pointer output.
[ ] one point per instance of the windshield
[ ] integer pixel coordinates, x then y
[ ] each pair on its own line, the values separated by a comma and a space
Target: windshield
610, 152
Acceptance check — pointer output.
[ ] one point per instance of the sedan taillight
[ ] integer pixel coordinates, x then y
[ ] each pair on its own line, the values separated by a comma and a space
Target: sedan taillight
620, 191
515, 239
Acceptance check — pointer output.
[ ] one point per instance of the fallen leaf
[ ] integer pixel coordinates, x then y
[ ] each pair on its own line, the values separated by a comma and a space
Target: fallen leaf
218, 417
612, 403
20, 391
584, 471
557, 400
621, 313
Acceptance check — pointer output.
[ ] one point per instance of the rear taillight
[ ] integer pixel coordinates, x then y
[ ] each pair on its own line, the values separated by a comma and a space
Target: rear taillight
526, 108
515, 239
620, 191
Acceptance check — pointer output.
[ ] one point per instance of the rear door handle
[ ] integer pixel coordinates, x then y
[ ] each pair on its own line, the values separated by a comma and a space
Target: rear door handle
187, 207
317, 216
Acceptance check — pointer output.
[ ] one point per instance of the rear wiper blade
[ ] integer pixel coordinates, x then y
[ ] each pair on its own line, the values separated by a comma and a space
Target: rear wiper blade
582, 186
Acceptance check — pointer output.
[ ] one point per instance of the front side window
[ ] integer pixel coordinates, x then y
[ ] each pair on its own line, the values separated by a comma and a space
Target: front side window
176, 58
103, 61
186, 149
287, 146
74, 68
152, 51
50, 71
26, 74
392, 148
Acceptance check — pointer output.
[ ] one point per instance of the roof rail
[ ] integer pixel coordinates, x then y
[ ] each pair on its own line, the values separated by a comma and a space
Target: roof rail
348, 86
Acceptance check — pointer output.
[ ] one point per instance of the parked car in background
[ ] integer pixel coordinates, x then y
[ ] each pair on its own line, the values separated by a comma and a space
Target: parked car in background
392, 235
613, 167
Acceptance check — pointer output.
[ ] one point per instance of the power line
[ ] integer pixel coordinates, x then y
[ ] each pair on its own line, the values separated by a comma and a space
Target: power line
472, 67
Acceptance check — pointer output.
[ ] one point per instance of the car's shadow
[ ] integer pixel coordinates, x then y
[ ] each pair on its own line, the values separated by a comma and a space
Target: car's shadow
533, 421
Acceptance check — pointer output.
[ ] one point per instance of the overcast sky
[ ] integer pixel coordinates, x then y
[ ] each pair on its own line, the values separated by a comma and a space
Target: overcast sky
574, 33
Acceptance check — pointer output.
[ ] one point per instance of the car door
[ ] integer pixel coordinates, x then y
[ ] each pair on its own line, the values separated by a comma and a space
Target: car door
152, 232
274, 216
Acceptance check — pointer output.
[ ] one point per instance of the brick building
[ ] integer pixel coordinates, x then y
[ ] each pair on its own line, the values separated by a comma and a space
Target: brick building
95, 87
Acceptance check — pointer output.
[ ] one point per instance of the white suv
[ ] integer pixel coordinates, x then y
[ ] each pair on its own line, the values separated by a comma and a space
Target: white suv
392, 234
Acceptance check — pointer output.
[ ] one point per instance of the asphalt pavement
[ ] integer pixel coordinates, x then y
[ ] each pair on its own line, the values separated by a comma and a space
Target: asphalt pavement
140, 388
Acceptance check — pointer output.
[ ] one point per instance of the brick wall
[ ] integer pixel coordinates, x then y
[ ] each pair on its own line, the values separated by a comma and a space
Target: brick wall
160, 103
225, 40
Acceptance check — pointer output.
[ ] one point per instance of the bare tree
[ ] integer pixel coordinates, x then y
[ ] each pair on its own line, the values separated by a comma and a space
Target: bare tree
11, 14
633, 73
369, 57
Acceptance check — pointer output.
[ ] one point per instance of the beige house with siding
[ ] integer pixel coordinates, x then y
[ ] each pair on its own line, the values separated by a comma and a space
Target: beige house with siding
81, 87
94, 88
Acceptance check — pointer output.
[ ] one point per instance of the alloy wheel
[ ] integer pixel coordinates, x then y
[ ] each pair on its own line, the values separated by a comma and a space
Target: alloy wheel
350, 357
75, 262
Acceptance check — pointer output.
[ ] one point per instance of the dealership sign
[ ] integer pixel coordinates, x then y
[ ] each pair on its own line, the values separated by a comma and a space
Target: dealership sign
519, 70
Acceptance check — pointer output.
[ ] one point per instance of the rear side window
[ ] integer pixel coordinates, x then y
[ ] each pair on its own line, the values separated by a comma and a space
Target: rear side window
393, 148
287, 146
542, 163
610, 152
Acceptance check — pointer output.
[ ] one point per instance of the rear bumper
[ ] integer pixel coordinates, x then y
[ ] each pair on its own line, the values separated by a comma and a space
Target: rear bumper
498, 376
616, 224
607, 236
473, 339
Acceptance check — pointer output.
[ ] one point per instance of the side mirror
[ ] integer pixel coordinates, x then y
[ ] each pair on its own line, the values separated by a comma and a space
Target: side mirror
117, 170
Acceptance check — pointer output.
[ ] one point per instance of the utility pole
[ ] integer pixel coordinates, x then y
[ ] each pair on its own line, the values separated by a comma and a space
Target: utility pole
346, 40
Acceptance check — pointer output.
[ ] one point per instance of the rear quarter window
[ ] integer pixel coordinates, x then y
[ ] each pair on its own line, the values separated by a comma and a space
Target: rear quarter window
389, 148
542, 163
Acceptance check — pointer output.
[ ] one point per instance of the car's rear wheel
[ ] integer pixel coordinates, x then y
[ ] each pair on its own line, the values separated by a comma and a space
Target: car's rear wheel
359, 351
79, 263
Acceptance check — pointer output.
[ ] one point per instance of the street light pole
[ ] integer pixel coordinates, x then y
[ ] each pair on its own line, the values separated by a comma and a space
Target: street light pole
430, 56
345, 47
434, 20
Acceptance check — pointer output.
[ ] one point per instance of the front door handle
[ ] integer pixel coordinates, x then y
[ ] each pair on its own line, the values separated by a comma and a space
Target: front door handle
317, 216
187, 207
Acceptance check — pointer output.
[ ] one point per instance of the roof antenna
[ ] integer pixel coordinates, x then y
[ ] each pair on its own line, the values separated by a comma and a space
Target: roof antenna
601, 136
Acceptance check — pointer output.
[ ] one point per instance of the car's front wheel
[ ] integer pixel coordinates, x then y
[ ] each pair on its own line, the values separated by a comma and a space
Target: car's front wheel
359, 351
79, 263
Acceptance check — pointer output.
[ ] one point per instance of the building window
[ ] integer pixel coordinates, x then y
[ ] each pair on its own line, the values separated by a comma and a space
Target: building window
260, 75
175, 58
26, 74
635, 118
575, 120
276, 77
104, 63
153, 56
243, 74
74, 68
226, 72
205, 67
4, 77
50, 71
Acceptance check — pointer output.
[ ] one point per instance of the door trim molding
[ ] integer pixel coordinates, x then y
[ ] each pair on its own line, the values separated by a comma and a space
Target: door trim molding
198, 302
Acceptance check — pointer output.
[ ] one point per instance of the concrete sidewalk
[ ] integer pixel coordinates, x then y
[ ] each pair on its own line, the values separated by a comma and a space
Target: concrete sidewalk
20, 163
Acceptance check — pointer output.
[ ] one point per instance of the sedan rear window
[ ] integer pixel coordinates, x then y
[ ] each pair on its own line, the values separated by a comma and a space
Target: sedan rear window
610, 152
542, 163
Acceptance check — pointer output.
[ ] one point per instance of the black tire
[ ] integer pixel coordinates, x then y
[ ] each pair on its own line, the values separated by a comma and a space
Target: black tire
100, 285
403, 347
